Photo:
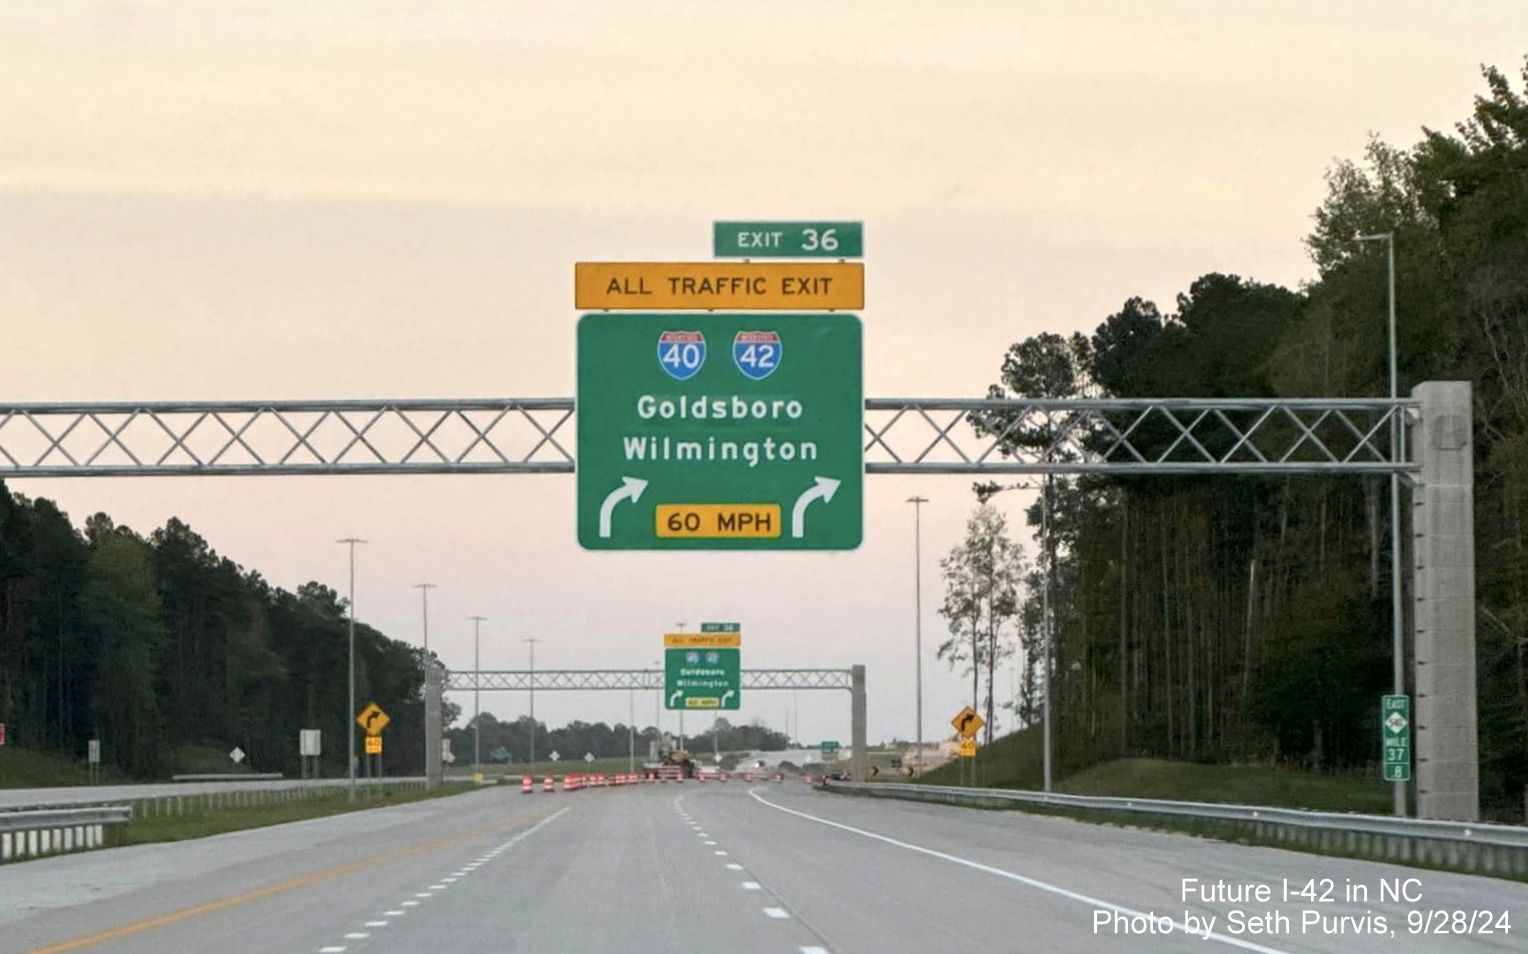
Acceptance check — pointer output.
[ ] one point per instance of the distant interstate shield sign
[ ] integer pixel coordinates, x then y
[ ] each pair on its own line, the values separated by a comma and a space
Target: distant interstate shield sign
720, 431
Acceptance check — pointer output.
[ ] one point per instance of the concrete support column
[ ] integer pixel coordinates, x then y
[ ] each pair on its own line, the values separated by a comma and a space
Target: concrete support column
1443, 599
858, 759
434, 679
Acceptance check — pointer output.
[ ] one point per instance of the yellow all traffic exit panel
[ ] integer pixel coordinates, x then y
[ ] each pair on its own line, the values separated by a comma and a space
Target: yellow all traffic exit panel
732, 286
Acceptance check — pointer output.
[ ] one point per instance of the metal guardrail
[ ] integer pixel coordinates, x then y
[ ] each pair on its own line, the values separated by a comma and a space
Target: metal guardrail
1470, 846
12, 821
226, 777
32, 833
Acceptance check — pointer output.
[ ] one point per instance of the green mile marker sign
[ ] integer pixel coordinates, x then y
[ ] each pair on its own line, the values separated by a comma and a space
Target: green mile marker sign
788, 239
1395, 735
703, 670
701, 431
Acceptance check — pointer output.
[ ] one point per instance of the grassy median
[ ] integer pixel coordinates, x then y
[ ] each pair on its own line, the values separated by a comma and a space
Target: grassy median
157, 820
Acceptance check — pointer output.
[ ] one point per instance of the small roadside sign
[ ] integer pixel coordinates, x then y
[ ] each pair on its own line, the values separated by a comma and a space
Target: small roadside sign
788, 239
555, 756
967, 722
968, 748
93, 752
1395, 737
309, 742
588, 756
373, 719
237, 754
373, 745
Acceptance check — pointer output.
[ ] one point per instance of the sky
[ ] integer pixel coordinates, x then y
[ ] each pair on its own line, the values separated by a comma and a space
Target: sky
208, 199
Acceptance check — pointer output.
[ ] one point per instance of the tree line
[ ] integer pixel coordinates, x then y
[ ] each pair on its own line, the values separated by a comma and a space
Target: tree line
1234, 617
149, 644
510, 741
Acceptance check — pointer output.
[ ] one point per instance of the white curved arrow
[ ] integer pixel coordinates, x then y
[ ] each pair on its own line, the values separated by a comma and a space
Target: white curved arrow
725, 696
631, 489
823, 490
675, 697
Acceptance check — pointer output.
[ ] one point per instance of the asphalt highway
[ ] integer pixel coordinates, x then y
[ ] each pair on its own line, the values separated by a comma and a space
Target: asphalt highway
755, 869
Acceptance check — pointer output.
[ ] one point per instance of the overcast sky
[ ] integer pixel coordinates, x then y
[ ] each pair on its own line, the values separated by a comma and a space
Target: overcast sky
225, 200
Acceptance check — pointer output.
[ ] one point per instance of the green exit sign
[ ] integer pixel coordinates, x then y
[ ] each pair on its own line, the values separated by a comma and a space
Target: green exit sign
788, 239
701, 431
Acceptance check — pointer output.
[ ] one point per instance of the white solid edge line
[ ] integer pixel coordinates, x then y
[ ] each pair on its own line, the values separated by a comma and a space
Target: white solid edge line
1012, 876
778, 913
814, 950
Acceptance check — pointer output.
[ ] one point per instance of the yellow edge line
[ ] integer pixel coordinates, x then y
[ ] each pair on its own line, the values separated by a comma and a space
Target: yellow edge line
186, 914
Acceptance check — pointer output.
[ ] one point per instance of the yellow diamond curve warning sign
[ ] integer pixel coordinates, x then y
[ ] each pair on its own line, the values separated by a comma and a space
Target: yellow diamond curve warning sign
967, 723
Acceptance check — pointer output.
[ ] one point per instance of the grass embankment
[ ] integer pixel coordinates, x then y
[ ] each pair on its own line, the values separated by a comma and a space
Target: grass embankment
1014, 761
30, 768
156, 821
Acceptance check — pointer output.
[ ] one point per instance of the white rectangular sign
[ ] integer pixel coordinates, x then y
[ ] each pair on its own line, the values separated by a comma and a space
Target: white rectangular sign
309, 742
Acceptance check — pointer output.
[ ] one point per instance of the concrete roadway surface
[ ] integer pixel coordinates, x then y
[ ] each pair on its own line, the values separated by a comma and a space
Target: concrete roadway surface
715, 867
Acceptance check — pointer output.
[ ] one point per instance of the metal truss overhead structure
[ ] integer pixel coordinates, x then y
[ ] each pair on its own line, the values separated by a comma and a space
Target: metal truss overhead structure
542, 680
534, 436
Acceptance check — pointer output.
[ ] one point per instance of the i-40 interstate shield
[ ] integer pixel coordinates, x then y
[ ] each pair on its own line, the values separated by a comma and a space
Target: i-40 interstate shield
705, 431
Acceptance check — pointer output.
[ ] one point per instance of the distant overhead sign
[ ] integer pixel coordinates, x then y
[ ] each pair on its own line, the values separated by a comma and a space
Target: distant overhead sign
788, 240
829, 748
703, 670
731, 286
967, 723
373, 719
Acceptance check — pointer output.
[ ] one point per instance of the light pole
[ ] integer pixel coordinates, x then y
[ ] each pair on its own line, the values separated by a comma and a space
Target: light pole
1397, 453
531, 641
631, 731
983, 494
477, 692
351, 714
424, 592
918, 503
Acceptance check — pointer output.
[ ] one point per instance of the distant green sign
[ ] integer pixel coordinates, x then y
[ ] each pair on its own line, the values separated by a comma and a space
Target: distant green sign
829, 748
788, 239
703, 670
1395, 735
720, 431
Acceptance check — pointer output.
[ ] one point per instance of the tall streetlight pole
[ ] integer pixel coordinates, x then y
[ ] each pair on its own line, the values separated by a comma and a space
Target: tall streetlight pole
658, 703
1398, 453
531, 641
918, 503
477, 693
351, 714
424, 591
631, 731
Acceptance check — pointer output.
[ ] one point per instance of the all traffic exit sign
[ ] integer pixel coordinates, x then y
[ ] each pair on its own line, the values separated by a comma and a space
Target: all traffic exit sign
788, 239
720, 431
703, 670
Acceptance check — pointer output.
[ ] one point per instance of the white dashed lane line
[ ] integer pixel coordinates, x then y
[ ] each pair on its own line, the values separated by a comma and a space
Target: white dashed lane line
441, 885
774, 913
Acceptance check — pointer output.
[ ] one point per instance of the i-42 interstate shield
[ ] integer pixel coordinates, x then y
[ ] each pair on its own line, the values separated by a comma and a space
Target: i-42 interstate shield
701, 431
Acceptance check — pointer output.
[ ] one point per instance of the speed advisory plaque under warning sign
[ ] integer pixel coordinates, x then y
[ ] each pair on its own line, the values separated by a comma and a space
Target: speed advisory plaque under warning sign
720, 431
